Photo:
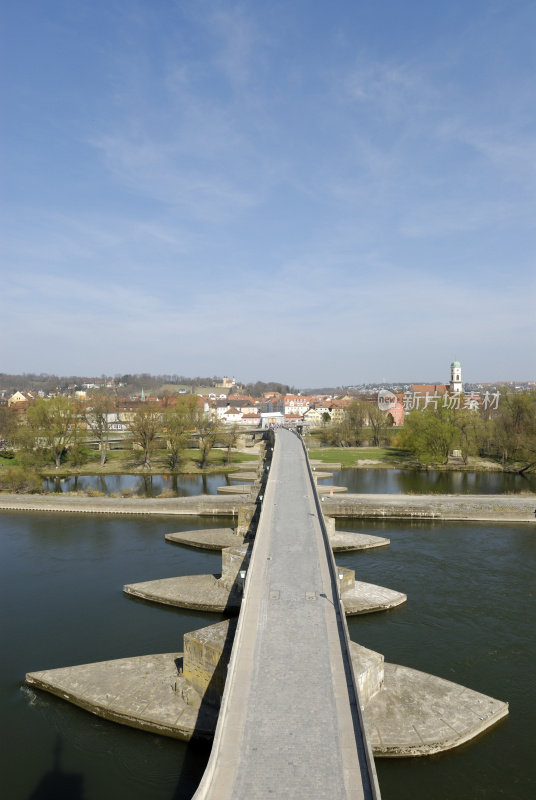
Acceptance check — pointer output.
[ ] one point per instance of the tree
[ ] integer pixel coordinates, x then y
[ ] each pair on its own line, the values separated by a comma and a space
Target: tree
330, 435
17, 479
351, 428
471, 431
179, 421
144, 428
97, 417
208, 429
230, 439
377, 421
78, 452
52, 426
514, 428
429, 434
8, 424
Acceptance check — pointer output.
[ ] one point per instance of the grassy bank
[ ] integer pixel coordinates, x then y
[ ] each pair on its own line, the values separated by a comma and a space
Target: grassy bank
392, 457
122, 462
355, 456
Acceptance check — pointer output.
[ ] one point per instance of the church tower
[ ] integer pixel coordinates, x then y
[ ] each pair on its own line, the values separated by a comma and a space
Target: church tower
456, 385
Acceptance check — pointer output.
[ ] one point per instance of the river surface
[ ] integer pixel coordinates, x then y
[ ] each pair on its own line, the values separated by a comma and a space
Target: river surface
359, 481
147, 485
469, 618
405, 481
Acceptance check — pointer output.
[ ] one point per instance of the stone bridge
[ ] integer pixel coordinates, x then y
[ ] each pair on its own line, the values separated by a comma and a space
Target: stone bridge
295, 709
291, 711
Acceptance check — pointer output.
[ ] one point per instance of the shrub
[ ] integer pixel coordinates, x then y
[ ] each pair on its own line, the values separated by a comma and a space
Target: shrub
20, 480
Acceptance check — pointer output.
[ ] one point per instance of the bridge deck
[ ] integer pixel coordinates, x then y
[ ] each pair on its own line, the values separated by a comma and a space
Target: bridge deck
289, 725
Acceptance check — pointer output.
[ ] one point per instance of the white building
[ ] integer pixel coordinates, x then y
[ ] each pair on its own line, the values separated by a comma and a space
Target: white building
456, 385
275, 418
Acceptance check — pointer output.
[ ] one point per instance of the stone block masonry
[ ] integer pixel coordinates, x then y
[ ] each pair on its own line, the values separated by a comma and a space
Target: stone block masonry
206, 655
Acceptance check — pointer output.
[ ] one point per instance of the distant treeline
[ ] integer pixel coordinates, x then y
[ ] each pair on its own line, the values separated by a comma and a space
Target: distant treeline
131, 383
30, 381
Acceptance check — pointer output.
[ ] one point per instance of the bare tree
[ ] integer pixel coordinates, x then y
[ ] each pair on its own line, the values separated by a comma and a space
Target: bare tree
208, 429
377, 422
144, 428
179, 421
97, 417
514, 429
230, 438
8, 424
52, 425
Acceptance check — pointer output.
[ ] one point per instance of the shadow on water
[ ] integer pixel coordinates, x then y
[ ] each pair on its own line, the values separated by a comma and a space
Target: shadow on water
59, 785
199, 747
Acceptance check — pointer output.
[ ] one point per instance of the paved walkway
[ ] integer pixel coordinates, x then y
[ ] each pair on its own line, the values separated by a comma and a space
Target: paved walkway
289, 724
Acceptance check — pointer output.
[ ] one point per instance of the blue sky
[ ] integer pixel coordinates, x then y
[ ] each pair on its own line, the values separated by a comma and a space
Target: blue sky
315, 192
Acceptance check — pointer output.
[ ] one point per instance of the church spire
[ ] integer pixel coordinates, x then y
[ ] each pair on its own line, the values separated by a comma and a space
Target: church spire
456, 385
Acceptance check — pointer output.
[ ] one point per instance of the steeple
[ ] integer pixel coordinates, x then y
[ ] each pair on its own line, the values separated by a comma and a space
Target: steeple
456, 385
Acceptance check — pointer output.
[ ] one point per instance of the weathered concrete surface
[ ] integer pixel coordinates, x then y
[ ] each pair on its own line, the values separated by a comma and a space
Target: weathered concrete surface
418, 714
488, 508
202, 505
206, 657
243, 476
234, 559
199, 592
349, 540
407, 712
210, 539
342, 541
316, 464
368, 670
366, 598
247, 466
219, 538
214, 593
329, 490
238, 488
146, 692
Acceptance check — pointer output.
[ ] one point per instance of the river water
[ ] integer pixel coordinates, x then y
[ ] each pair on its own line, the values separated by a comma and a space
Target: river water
146, 485
360, 481
469, 618
405, 481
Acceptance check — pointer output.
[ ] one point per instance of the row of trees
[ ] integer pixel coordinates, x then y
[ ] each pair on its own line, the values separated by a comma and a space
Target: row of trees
55, 427
135, 381
363, 422
507, 434
259, 388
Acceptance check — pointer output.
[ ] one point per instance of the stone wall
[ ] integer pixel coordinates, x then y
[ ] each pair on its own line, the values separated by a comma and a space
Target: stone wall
206, 655
234, 559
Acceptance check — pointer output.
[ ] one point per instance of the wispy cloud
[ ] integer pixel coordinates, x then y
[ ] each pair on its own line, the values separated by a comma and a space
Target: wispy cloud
238, 40
299, 330
273, 190
391, 88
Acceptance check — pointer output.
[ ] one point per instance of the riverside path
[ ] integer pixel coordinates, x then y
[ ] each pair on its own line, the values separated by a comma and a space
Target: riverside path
290, 723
